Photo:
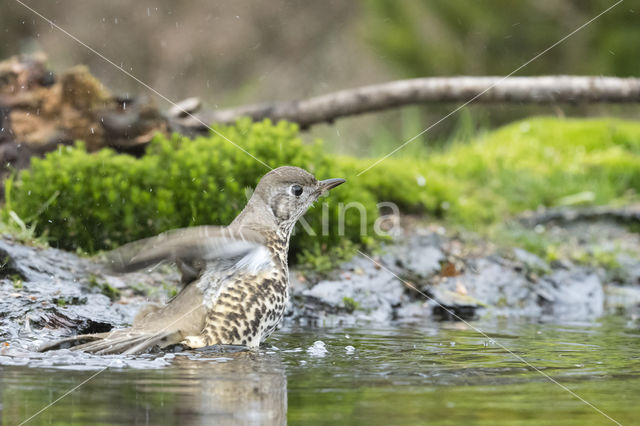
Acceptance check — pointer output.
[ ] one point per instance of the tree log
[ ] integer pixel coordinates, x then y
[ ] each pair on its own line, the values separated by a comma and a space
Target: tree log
533, 90
625, 215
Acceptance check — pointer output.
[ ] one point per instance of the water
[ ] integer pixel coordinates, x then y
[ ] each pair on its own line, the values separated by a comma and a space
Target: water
442, 373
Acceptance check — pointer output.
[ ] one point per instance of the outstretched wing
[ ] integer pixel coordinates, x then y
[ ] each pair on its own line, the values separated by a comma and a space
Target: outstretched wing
186, 246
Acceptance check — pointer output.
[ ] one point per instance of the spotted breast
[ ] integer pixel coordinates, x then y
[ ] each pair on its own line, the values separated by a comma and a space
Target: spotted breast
245, 301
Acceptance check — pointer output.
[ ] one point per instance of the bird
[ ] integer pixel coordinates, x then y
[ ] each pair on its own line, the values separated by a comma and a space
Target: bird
236, 278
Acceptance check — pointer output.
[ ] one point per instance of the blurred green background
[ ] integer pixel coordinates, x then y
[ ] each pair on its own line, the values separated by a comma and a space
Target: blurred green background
236, 52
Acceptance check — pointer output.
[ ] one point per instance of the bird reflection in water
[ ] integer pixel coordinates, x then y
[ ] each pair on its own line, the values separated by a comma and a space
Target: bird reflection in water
232, 388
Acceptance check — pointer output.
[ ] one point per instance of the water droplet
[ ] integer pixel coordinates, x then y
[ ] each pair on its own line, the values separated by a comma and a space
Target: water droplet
318, 349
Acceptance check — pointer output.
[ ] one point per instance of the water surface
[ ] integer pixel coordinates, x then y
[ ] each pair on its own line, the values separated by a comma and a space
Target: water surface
440, 373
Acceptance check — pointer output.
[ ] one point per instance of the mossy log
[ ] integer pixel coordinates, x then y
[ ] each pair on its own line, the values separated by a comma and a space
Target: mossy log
40, 111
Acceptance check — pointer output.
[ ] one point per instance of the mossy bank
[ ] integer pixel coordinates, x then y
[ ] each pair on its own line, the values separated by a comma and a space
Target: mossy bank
97, 201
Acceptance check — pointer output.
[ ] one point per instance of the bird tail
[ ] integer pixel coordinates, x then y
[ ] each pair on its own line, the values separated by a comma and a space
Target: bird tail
125, 341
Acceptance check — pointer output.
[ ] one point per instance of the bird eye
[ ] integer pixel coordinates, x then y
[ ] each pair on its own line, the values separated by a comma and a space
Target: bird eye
296, 190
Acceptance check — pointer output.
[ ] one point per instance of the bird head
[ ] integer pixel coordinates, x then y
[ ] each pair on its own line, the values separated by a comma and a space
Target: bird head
283, 195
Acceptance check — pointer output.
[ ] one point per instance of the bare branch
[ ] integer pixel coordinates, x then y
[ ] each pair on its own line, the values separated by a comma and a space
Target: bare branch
536, 90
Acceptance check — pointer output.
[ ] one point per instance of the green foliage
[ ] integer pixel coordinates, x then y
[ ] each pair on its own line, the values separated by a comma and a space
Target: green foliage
530, 163
525, 238
350, 305
10, 223
320, 258
553, 159
105, 199
494, 37
97, 201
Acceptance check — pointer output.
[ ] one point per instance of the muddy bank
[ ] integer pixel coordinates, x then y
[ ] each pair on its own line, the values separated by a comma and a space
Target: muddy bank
46, 293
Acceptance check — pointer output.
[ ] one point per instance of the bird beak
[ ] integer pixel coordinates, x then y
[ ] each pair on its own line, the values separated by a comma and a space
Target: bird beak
327, 184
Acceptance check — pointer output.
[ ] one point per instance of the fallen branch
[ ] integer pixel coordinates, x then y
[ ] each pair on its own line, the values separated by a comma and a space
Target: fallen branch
40, 110
626, 215
536, 90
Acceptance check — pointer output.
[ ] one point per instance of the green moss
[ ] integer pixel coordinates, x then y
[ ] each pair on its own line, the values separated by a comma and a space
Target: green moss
16, 280
97, 201
598, 257
141, 289
528, 164
532, 163
106, 199
151, 291
349, 304
170, 289
321, 258
517, 236
104, 288
634, 228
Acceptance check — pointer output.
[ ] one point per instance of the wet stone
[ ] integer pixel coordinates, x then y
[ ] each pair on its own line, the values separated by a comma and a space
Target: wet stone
46, 293
530, 260
368, 293
416, 256
517, 284
575, 294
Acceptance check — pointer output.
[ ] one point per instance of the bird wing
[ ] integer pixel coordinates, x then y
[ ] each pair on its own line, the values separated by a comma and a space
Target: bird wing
186, 246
